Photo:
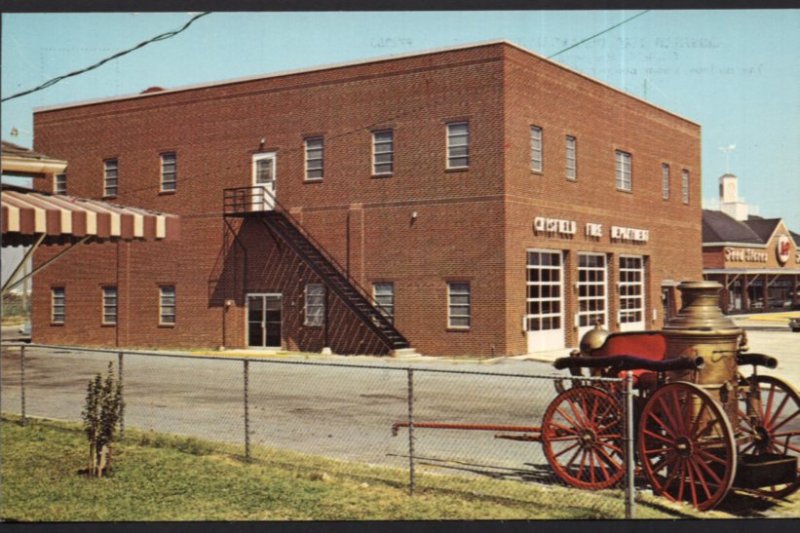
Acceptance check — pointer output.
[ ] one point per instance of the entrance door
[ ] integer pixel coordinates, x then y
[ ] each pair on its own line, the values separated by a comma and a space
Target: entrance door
631, 293
592, 292
264, 181
264, 320
544, 321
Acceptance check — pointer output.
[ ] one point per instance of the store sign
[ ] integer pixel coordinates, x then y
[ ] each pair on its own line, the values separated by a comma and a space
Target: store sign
745, 255
619, 233
782, 249
554, 225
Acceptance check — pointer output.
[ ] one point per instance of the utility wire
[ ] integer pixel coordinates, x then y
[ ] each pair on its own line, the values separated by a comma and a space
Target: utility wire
157, 38
598, 34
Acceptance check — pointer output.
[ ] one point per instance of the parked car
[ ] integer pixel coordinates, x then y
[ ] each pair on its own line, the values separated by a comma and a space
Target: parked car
794, 324
25, 329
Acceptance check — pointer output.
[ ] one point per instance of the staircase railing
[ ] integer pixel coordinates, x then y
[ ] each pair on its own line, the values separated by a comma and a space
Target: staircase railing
241, 200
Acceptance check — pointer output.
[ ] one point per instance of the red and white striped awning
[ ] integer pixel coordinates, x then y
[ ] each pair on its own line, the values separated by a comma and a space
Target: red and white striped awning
27, 215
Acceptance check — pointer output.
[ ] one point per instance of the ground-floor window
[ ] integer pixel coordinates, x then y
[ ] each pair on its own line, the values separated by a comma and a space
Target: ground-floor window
383, 294
109, 305
58, 305
592, 293
315, 304
458, 305
631, 292
166, 305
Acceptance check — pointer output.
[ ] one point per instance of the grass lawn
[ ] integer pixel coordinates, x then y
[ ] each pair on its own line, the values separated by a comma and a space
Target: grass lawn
160, 477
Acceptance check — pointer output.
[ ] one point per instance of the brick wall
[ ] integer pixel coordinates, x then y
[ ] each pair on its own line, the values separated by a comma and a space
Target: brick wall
471, 225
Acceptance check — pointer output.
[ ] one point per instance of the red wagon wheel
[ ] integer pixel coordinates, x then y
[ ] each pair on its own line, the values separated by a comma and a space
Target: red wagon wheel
686, 446
582, 438
772, 424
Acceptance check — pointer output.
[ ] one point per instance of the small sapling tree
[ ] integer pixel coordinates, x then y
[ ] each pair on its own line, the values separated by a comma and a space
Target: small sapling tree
100, 416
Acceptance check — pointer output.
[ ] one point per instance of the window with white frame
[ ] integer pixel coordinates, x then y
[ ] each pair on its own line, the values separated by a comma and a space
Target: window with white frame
624, 180
169, 172
314, 158
110, 182
60, 184
572, 157
383, 294
631, 289
665, 181
591, 289
383, 153
58, 307
458, 305
458, 145
166, 305
315, 305
685, 186
536, 148
109, 305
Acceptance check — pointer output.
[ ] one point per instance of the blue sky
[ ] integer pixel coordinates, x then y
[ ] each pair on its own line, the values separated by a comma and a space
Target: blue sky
734, 72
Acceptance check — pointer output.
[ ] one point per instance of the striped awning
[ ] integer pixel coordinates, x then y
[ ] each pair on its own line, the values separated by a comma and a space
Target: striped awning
27, 215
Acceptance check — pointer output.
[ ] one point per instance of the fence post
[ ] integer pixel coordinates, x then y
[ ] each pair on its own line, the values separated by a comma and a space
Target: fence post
120, 369
411, 471
630, 488
22, 383
246, 410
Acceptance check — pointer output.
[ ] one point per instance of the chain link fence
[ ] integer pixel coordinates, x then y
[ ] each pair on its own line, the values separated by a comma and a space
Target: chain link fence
493, 434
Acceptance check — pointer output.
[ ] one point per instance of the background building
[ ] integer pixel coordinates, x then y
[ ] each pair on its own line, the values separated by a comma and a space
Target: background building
757, 260
487, 200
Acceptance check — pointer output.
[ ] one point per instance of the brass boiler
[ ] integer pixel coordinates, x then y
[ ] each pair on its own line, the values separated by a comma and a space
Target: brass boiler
700, 329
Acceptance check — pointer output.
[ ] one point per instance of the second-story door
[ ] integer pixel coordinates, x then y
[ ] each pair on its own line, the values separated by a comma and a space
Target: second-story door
264, 181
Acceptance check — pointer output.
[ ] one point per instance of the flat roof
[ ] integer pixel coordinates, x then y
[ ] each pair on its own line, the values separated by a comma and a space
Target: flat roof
332, 66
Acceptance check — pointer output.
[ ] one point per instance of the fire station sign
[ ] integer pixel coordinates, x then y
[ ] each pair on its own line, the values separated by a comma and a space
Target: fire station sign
619, 233
554, 225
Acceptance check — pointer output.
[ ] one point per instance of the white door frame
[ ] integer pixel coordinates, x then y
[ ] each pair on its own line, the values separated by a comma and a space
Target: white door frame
549, 339
639, 324
264, 296
585, 328
265, 201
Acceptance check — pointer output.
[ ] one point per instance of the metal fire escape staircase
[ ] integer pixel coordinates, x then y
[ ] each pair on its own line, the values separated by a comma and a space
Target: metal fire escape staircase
249, 202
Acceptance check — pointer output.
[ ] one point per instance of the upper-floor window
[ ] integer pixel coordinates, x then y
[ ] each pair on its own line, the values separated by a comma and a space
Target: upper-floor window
571, 145
536, 148
383, 153
665, 181
169, 172
315, 305
109, 305
458, 305
166, 305
110, 177
624, 180
383, 294
60, 184
458, 145
58, 305
314, 158
685, 186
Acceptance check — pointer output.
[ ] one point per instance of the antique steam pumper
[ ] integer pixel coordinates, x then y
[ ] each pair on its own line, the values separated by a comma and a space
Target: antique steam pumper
701, 427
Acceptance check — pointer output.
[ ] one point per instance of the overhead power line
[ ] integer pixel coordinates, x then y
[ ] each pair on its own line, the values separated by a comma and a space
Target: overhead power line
162, 37
617, 25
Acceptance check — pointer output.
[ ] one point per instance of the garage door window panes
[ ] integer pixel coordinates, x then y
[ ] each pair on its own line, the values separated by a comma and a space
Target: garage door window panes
591, 289
631, 290
544, 291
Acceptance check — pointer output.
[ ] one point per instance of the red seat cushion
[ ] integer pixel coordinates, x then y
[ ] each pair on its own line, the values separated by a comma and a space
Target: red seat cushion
651, 345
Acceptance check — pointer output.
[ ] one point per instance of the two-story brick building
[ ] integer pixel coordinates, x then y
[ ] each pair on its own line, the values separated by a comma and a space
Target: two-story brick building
488, 200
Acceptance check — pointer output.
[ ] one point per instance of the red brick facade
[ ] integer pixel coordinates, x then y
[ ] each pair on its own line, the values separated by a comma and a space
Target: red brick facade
420, 228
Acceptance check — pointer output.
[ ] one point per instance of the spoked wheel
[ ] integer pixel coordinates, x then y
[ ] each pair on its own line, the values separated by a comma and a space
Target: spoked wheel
582, 438
686, 446
771, 422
